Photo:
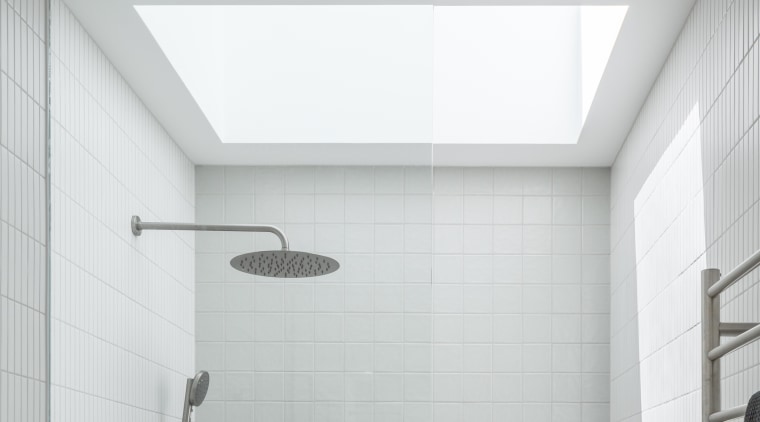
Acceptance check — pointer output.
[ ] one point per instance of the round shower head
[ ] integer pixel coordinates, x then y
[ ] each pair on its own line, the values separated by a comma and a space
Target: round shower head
284, 264
199, 388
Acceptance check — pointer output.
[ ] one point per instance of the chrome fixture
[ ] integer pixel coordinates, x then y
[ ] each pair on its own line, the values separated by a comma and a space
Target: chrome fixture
743, 333
282, 263
195, 391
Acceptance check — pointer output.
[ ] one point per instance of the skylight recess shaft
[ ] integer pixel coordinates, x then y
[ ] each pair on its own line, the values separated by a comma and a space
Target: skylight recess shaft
389, 73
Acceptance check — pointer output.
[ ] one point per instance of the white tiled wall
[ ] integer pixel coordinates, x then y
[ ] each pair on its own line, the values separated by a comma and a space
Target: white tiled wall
685, 191
23, 211
513, 324
354, 345
122, 316
520, 306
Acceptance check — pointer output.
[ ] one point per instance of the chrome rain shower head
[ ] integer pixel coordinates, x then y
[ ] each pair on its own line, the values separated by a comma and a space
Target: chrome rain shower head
281, 264
284, 264
195, 391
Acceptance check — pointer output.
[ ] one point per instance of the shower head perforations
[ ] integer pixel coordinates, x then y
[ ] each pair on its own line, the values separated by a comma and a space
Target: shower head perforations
284, 264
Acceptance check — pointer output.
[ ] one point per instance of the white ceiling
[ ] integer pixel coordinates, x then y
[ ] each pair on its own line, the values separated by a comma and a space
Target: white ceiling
645, 39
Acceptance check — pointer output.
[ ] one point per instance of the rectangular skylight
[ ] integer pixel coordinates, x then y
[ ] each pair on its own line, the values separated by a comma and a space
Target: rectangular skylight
304, 74
389, 73
507, 74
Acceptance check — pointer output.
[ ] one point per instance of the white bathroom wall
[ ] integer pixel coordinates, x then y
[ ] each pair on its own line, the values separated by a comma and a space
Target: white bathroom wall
513, 324
685, 191
354, 345
122, 307
23, 211
520, 306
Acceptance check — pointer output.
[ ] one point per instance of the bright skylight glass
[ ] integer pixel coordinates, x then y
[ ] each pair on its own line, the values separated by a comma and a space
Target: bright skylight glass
388, 73
507, 74
599, 29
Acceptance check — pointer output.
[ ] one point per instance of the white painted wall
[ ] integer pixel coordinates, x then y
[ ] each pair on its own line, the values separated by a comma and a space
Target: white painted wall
481, 296
685, 191
23, 211
122, 317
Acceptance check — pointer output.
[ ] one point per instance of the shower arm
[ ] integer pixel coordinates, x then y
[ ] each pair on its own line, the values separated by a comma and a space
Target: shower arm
138, 226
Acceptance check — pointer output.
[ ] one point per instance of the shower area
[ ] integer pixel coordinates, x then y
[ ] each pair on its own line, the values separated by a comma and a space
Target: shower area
462, 294
367, 211
353, 345
361, 283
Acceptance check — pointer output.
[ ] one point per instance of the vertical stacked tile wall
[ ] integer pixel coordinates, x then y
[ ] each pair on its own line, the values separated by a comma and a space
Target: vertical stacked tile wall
685, 190
122, 307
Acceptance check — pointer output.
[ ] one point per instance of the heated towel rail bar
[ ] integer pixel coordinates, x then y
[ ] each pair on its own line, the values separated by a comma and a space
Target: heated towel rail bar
712, 329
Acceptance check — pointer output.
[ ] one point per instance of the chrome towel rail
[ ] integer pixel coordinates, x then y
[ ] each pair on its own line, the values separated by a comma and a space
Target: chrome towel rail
735, 343
727, 415
735, 275
712, 329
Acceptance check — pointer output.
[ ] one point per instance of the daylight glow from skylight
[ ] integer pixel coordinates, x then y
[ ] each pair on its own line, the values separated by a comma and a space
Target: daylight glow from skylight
599, 30
389, 73
507, 74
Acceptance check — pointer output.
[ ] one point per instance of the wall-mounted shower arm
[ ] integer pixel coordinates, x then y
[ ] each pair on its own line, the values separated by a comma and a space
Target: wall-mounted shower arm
138, 226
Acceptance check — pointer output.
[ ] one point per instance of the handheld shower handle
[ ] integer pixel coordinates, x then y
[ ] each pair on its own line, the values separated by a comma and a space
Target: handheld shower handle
187, 408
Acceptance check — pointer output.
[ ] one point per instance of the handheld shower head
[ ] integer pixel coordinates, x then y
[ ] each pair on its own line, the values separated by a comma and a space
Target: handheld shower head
195, 392
199, 388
